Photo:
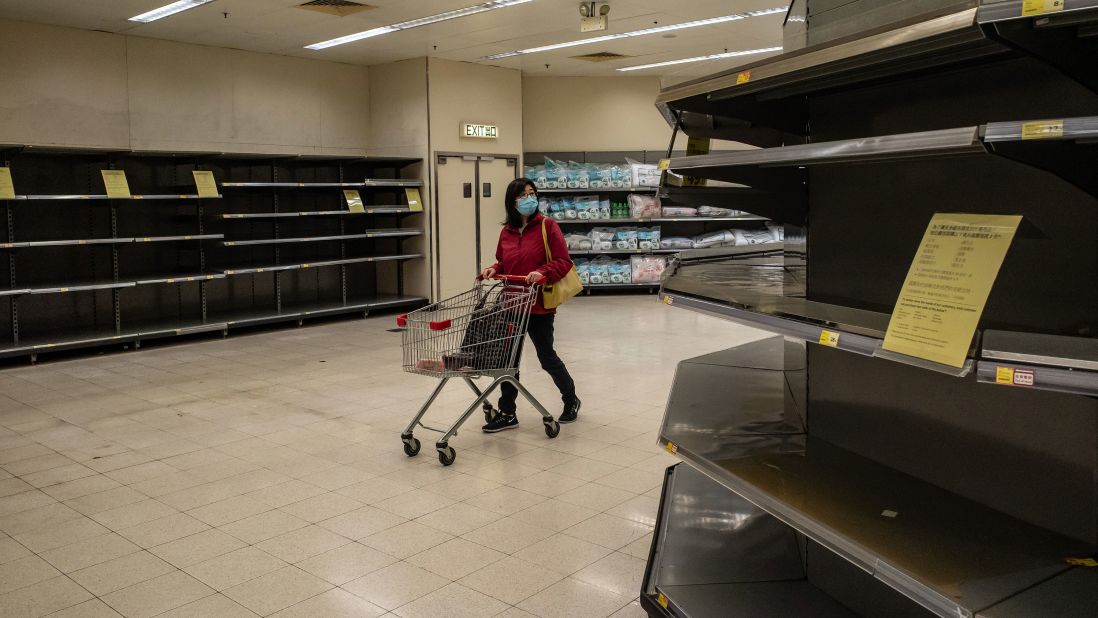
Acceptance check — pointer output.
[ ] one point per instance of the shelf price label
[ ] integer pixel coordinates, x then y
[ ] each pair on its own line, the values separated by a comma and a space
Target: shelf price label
1010, 376
205, 183
947, 286
7, 188
1043, 129
661, 598
743, 77
415, 203
829, 338
1040, 7
354, 201
118, 188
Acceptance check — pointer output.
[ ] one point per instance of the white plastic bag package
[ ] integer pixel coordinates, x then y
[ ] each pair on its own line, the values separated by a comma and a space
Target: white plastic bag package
622, 176
677, 242
715, 239
713, 211
644, 206
568, 208
679, 211
777, 231
599, 271
626, 239
578, 242
556, 174
648, 238
545, 205
603, 178
644, 174
620, 271
604, 208
602, 238
577, 177
752, 237
583, 269
587, 206
647, 268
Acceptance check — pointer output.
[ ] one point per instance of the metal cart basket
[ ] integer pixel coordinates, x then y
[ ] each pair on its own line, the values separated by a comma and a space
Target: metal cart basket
476, 334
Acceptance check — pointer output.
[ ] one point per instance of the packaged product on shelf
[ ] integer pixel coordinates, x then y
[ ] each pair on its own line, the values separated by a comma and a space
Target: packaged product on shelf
556, 176
619, 210
752, 237
648, 238
545, 205
583, 269
713, 211
625, 239
677, 242
604, 208
603, 178
578, 242
536, 174
644, 206
602, 238
587, 206
577, 176
565, 209
777, 231
622, 176
644, 174
599, 271
679, 211
647, 268
620, 271
715, 239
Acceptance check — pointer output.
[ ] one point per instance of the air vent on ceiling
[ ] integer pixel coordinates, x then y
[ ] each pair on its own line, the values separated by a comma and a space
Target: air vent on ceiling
339, 8
599, 57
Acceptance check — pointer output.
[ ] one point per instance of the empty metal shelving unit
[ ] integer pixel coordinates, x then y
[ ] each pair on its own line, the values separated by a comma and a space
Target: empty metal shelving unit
823, 475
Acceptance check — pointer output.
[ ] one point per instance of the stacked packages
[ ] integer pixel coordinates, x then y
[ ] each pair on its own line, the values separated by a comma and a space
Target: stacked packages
615, 239
571, 175
607, 271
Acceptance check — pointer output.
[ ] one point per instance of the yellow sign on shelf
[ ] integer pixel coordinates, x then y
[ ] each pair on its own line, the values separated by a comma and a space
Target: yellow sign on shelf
116, 184
414, 201
354, 201
206, 184
7, 188
743, 77
1043, 129
664, 165
1040, 7
948, 284
829, 338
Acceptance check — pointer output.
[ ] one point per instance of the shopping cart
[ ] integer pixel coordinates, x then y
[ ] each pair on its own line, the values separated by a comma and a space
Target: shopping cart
476, 334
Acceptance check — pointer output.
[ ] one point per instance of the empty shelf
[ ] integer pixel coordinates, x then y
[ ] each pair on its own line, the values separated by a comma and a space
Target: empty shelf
82, 287
789, 598
367, 184
15, 292
284, 267
1044, 362
170, 279
396, 232
65, 243
1006, 10
660, 220
613, 286
179, 238
383, 301
379, 210
104, 197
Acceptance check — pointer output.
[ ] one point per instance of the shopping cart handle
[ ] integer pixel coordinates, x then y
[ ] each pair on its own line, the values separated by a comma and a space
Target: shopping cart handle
402, 320
513, 278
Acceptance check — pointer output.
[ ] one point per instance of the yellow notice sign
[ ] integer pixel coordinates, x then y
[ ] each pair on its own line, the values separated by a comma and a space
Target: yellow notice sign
117, 185
948, 284
354, 201
206, 184
1040, 7
1043, 129
7, 188
414, 202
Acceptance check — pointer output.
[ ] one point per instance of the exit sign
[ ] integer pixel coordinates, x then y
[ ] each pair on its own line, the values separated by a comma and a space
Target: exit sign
479, 131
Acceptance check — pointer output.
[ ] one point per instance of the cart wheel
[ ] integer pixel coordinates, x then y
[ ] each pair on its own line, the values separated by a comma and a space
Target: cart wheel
552, 429
447, 456
489, 413
411, 447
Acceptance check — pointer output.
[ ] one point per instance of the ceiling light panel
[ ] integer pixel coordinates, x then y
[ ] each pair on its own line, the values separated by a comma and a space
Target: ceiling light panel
168, 10
645, 32
735, 54
415, 23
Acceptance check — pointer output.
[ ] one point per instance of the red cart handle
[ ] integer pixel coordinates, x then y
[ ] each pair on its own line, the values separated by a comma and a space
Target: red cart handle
402, 320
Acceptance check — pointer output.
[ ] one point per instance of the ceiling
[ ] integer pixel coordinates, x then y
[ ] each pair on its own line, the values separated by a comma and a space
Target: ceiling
279, 27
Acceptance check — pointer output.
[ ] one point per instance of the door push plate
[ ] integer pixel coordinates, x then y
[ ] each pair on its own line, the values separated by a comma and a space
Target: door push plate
487, 189
467, 190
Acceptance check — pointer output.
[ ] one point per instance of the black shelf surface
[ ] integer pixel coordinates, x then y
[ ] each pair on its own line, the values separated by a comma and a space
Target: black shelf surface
381, 233
183, 238
73, 197
783, 598
106, 241
377, 210
381, 302
319, 264
660, 220
366, 184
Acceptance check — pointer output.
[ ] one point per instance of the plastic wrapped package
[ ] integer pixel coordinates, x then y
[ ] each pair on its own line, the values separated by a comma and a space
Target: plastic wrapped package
648, 238
752, 237
647, 268
602, 238
583, 269
603, 178
715, 239
587, 206
604, 208
577, 176
622, 176
566, 209
644, 206
679, 211
578, 242
713, 211
556, 175
545, 205
777, 231
599, 271
644, 174
626, 239
677, 242
536, 174
620, 271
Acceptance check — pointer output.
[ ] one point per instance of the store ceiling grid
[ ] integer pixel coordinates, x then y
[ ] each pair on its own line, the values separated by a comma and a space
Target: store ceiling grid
280, 27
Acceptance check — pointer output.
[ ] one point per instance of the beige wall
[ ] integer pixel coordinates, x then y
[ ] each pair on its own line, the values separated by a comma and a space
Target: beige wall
78, 88
591, 114
463, 92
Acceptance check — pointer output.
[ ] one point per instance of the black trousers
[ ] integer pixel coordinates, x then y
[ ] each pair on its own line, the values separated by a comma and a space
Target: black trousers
541, 334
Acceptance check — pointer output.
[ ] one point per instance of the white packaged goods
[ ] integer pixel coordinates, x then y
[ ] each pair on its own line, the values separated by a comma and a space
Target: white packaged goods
556, 175
622, 176
578, 242
679, 211
647, 268
602, 238
587, 207
644, 174
715, 239
583, 269
603, 177
599, 271
753, 237
713, 211
577, 176
604, 208
677, 242
648, 238
545, 205
625, 239
644, 206
777, 231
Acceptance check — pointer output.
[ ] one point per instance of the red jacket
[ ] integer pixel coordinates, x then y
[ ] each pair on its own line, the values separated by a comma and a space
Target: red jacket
521, 252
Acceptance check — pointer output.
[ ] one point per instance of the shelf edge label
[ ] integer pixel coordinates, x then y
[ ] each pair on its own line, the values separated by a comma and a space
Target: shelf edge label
661, 598
205, 183
414, 200
1040, 7
743, 77
1043, 129
7, 187
354, 201
116, 184
1009, 376
829, 338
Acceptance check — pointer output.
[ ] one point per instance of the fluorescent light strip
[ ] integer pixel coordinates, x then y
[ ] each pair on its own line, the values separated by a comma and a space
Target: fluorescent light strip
647, 31
765, 50
168, 10
415, 23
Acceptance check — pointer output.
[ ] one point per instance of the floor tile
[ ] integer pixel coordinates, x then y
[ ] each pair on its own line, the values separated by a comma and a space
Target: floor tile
120, 573
554, 515
563, 554
10, 549
88, 609
641, 548
302, 543
322, 507
395, 585
89, 552
618, 573
362, 522
229, 510
455, 558
572, 598
597, 497
335, 603
11, 486
43, 598
609, 531
57, 476
235, 567
508, 535
278, 590
39, 517
31, 465
140, 472
416, 503
158, 595
80, 487
343, 564
407, 539
642, 509
197, 548
106, 500
264, 526
164, 530
633, 610
133, 514
59, 535
214, 606
511, 580
25, 572
454, 601
632, 480
505, 500
286, 493
15, 504
459, 518
375, 490
337, 477
461, 486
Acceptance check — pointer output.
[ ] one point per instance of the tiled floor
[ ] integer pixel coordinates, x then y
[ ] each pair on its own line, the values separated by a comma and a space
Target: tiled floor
263, 475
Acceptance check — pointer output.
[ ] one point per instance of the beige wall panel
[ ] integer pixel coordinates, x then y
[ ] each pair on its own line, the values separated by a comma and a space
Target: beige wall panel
275, 100
592, 113
344, 92
463, 92
62, 86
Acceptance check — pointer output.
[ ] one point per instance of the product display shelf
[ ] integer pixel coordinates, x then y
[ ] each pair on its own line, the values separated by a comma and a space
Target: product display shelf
384, 210
320, 264
890, 485
67, 198
383, 233
626, 252
595, 191
382, 302
366, 184
659, 220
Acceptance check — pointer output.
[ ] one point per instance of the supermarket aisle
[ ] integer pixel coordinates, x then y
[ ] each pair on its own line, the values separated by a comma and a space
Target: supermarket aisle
263, 475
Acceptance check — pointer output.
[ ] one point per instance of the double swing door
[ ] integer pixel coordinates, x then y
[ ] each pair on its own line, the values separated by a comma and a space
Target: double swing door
470, 214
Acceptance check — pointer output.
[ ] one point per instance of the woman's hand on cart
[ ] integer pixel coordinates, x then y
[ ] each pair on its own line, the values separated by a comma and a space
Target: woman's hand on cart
487, 273
534, 278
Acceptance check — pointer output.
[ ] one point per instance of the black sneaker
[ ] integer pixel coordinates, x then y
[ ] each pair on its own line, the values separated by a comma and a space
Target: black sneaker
501, 422
571, 410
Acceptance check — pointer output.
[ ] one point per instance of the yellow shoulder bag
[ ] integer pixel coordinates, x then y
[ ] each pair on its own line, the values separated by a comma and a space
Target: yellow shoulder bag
558, 293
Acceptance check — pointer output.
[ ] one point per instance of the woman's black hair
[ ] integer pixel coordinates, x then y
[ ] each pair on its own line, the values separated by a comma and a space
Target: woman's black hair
514, 190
